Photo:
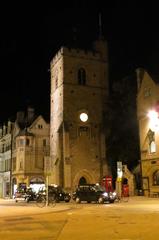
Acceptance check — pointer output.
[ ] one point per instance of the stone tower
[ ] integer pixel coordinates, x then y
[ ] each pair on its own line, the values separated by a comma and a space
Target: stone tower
79, 91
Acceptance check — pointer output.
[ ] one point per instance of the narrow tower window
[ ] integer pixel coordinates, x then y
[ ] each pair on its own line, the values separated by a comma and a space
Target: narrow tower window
81, 76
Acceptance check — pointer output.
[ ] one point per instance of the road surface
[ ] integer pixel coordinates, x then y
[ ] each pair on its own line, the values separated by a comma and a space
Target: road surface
137, 219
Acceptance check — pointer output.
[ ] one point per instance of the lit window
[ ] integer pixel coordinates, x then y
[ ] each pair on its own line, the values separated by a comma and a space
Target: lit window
152, 147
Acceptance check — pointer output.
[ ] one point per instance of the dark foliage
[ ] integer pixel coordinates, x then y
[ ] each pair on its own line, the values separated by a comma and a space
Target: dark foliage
122, 130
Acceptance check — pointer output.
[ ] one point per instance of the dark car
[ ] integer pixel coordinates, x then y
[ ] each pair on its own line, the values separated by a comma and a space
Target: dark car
30, 195
25, 195
57, 192
93, 193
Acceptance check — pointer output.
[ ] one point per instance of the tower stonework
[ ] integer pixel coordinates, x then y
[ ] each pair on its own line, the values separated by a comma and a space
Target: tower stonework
79, 92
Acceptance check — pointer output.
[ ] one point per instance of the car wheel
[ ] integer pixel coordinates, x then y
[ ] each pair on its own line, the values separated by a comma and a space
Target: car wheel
100, 200
78, 200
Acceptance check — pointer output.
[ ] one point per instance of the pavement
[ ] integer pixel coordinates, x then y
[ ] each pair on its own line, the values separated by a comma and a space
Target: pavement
8, 207
136, 219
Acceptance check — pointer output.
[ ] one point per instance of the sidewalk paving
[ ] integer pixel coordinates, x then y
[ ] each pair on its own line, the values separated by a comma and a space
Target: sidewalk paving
8, 207
21, 208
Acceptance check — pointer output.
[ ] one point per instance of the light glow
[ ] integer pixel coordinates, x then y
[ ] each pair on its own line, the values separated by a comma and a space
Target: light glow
84, 117
154, 120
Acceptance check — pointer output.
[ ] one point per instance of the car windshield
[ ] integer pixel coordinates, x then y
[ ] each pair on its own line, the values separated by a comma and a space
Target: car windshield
99, 188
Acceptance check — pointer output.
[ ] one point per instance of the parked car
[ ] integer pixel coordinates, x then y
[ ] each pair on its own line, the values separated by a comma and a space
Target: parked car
19, 195
25, 195
93, 193
58, 192
30, 195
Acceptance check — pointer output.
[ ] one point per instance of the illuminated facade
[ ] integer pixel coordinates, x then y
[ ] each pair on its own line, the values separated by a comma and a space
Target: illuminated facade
79, 92
30, 146
5, 159
148, 118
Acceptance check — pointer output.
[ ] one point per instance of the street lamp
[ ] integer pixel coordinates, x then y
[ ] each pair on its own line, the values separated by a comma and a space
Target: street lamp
154, 120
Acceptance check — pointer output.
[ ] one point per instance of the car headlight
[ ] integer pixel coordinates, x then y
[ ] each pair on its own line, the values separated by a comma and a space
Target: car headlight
105, 194
114, 194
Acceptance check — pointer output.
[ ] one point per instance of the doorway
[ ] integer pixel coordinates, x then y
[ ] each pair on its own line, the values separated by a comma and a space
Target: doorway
82, 181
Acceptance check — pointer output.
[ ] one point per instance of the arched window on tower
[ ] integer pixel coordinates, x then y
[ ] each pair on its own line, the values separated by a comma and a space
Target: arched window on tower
81, 76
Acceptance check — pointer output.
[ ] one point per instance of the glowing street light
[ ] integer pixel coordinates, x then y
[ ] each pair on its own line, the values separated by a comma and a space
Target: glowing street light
154, 120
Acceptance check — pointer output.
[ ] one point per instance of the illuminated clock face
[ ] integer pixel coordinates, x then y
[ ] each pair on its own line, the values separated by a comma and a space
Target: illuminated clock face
84, 117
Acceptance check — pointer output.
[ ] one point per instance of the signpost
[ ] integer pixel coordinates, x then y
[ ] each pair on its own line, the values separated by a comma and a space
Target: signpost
119, 177
47, 168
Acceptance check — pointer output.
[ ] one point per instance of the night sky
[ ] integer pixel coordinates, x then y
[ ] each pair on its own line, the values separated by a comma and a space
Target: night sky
31, 36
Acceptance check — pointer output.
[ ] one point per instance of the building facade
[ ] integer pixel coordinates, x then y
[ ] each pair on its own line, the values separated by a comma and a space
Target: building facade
30, 146
5, 159
79, 92
148, 118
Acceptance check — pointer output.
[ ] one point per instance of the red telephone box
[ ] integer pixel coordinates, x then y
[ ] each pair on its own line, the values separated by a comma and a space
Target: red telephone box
107, 183
125, 189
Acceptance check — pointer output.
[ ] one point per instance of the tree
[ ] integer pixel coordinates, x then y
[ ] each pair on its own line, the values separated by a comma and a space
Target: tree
122, 126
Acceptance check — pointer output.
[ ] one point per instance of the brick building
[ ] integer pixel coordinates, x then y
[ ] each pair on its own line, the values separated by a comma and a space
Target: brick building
79, 92
148, 117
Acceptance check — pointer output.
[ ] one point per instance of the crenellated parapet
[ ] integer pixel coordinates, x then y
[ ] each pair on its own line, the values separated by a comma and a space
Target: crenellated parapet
77, 53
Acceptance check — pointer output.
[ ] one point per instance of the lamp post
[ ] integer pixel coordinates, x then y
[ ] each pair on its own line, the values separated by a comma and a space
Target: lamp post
153, 120
47, 169
119, 178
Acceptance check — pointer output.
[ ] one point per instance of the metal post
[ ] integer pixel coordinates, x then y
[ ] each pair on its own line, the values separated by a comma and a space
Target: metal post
47, 190
118, 188
119, 178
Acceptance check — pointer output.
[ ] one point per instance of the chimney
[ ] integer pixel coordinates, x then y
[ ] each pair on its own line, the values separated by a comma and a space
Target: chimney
9, 127
30, 114
1, 131
4, 129
20, 117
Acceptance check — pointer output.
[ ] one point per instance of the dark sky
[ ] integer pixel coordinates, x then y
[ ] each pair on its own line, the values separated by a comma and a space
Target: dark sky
30, 37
